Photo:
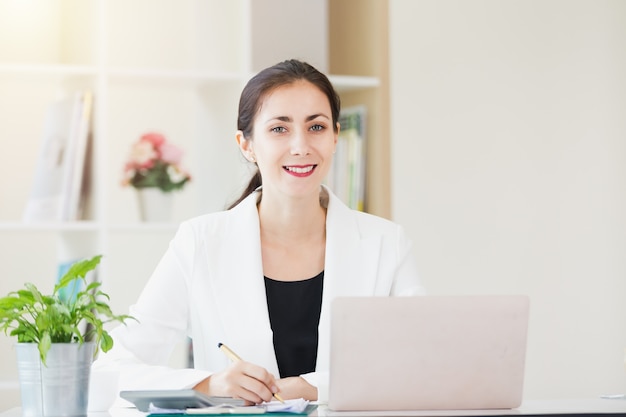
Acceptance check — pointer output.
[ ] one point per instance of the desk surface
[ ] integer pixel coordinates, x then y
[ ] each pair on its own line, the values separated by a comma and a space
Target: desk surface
528, 408
576, 407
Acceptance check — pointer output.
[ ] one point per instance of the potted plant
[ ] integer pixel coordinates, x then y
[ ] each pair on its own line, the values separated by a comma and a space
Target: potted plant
154, 170
57, 338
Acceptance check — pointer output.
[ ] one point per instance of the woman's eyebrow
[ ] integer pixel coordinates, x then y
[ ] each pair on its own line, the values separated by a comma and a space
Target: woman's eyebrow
288, 119
315, 116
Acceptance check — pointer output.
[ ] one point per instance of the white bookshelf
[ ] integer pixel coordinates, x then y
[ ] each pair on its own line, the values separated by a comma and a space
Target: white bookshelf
173, 66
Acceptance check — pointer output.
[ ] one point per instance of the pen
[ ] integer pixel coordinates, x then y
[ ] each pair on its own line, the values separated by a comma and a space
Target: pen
235, 358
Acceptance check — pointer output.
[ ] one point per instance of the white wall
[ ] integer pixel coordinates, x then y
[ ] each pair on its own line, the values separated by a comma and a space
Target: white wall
509, 169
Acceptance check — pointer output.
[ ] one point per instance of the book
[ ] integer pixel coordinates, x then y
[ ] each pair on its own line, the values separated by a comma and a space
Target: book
75, 174
347, 174
68, 293
58, 180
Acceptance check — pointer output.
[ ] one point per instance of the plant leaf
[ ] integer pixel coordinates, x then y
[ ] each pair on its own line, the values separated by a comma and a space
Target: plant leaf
37, 297
44, 346
106, 342
78, 270
92, 286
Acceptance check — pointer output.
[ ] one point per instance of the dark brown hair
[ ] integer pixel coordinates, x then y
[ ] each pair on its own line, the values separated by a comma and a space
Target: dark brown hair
283, 73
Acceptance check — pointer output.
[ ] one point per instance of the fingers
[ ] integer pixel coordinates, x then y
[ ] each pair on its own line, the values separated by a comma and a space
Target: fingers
259, 374
254, 390
253, 383
244, 380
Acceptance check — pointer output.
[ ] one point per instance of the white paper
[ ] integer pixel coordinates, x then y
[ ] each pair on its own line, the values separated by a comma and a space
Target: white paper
290, 406
296, 406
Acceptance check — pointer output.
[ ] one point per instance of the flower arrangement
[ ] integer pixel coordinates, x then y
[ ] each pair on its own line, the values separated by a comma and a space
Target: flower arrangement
154, 162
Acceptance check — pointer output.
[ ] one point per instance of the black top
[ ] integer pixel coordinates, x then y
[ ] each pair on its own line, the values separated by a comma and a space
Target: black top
294, 309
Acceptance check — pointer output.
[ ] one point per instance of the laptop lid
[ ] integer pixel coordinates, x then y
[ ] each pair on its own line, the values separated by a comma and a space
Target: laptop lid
427, 352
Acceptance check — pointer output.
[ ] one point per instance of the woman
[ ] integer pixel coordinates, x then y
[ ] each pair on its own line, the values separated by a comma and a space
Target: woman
260, 276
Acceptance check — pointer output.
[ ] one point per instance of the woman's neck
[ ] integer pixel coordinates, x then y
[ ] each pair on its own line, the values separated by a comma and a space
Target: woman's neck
300, 219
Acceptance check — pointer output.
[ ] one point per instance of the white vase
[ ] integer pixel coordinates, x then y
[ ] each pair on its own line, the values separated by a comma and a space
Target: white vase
154, 205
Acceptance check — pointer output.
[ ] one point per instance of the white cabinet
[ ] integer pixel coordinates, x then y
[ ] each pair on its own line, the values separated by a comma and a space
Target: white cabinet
172, 66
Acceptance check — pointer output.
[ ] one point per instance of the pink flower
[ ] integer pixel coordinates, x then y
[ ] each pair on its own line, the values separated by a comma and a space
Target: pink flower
171, 154
142, 155
156, 139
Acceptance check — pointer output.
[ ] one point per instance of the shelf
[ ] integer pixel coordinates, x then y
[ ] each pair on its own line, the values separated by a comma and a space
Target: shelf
175, 76
342, 83
86, 226
44, 70
345, 83
143, 227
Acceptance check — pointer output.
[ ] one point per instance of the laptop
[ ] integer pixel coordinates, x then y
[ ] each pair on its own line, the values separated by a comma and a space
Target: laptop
427, 352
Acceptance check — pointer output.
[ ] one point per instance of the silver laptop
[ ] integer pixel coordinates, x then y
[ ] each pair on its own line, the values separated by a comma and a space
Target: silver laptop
427, 352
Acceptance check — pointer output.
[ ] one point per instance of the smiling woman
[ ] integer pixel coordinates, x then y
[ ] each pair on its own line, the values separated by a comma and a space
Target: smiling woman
296, 103
293, 139
261, 275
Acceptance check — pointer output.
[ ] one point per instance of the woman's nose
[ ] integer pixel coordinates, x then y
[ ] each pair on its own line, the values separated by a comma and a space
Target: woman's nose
300, 144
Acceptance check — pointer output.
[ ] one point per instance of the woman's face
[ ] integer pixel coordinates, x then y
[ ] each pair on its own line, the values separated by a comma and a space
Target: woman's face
293, 139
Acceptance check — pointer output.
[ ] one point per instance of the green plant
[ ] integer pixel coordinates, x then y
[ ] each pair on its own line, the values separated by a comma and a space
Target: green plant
45, 319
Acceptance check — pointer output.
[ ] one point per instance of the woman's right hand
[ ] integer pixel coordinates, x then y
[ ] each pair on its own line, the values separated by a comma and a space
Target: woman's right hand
244, 380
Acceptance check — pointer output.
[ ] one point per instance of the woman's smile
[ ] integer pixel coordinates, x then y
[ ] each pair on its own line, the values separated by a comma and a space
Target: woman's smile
299, 170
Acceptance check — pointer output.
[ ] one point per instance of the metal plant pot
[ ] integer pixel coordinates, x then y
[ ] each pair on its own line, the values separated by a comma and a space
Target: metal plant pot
61, 387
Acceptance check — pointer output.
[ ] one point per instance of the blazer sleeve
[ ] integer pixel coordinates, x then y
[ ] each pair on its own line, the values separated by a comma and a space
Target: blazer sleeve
406, 280
142, 349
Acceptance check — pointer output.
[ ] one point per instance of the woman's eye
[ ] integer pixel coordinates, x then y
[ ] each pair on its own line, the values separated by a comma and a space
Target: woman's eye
317, 128
279, 129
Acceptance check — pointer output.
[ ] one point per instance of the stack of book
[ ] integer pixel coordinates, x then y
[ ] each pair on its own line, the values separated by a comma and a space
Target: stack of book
347, 174
57, 192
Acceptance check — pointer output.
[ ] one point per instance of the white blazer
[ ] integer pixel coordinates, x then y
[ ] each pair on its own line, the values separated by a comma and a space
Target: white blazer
209, 286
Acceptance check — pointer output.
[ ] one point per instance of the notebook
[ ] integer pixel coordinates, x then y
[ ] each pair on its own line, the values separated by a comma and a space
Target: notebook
427, 352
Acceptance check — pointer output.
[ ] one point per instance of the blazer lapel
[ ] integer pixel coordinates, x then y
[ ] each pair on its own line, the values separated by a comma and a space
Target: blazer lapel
350, 270
240, 287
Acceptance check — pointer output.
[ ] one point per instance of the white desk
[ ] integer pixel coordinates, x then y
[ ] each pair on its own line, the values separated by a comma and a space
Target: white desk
528, 408
587, 407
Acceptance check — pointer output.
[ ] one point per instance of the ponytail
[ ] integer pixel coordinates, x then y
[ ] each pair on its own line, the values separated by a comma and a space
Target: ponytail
255, 182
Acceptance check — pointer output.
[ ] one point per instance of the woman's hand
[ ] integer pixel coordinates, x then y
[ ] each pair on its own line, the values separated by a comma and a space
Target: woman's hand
296, 387
244, 380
